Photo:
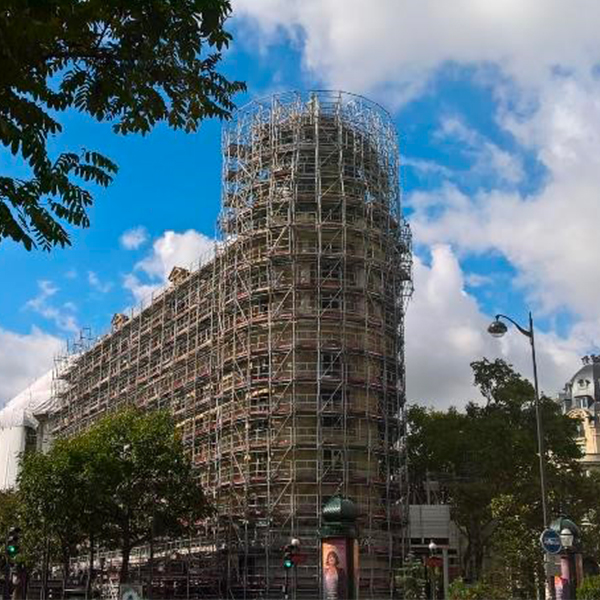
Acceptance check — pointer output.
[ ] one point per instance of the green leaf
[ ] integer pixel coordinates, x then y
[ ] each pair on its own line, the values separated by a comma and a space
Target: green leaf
135, 64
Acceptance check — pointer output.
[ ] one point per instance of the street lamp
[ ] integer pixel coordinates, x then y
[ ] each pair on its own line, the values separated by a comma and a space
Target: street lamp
497, 329
566, 538
432, 548
570, 538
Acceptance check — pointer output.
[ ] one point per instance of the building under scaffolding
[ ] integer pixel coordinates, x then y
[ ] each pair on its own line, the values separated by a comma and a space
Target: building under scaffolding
282, 357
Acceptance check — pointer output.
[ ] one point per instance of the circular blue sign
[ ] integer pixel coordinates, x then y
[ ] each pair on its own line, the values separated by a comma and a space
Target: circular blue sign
550, 541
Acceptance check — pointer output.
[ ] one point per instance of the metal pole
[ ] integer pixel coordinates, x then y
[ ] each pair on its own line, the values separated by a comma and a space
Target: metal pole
541, 450
7, 570
286, 586
295, 588
446, 572
538, 419
6, 594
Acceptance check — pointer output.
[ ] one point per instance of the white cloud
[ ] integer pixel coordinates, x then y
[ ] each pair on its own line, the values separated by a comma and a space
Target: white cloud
477, 280
24, 358
132, 239
446, 331
551, 237
187, 249
62, 317
392, 47
142, 292
95, 282
488, 162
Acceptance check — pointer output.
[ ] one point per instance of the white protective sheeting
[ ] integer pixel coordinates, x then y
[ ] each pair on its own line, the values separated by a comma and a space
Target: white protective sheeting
19, 410
15, 417
12, 443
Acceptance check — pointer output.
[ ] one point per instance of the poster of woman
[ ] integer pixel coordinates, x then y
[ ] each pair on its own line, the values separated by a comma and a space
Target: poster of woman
335, 570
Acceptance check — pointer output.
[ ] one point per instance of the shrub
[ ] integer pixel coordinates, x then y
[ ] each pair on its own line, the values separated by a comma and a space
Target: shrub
589, 588
459, 590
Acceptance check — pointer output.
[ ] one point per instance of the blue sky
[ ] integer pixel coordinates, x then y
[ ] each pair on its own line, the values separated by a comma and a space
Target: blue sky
495, 106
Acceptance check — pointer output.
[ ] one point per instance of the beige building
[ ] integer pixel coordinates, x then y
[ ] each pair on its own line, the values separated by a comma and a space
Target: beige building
282, 358
581, 400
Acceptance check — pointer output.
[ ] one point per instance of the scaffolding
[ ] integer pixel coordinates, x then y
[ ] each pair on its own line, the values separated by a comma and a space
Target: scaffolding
282, 357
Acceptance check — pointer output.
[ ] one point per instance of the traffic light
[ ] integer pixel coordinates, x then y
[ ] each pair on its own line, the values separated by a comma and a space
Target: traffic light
288, 557
12, 542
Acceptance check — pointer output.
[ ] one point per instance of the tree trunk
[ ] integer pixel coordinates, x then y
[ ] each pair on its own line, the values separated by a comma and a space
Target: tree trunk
65, 578
189, 566
478, 561
151, 562
45, 561
19, 590
125, 552
90, 574
466, 561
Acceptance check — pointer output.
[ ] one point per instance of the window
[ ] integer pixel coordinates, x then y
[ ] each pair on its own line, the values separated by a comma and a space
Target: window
260, 367
258, 464
333, 460
259, 431
262, 306
331, 365
332, 422
583, 402
331, 400
331, 301
259, 403
580, 429
331, 271
30, 440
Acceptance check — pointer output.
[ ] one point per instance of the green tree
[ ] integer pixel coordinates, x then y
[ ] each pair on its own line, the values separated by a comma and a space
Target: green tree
486, 459
9, 517
123, 482
134, 64
53, 497
8, 510
150, 489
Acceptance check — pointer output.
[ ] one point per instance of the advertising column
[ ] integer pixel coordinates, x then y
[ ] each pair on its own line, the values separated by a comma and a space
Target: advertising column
339, 551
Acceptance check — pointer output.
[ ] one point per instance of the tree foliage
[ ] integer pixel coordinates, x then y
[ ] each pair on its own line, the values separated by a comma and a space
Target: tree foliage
486, 459
123, 481
589, 589
150, 490
134, 64
481, 590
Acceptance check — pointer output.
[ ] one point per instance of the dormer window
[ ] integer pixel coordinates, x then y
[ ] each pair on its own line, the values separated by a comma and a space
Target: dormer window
583, 402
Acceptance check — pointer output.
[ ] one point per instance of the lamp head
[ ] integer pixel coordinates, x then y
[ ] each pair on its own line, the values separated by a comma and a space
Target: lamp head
432, 546
566, 538
497, 328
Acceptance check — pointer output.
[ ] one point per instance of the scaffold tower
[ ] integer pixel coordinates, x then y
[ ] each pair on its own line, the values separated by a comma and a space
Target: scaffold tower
282, 357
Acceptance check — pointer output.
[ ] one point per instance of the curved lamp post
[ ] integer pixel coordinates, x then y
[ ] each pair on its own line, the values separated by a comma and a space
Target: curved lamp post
497, 329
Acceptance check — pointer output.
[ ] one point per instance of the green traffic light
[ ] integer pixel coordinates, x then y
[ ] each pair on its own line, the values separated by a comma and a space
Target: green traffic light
12, 550
287, 563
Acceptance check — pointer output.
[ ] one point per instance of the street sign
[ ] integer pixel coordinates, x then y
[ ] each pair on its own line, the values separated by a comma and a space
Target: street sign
551, 569
550, 541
